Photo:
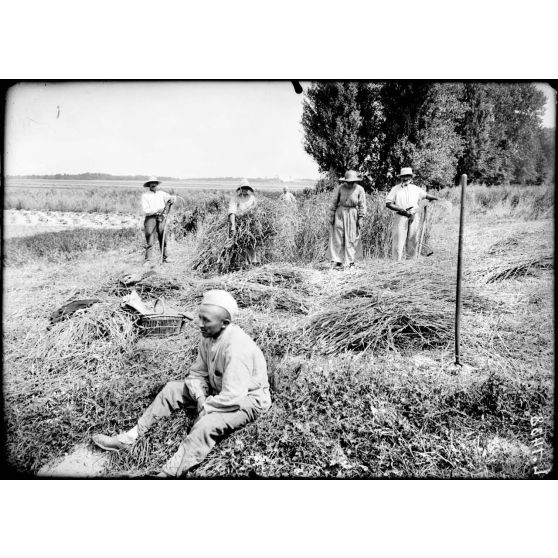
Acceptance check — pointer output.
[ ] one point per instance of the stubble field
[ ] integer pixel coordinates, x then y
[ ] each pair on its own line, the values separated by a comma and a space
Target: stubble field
361, 364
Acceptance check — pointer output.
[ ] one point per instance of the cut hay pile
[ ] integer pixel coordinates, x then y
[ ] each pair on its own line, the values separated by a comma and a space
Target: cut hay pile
251, 295
216, 252
153, 286
83, 376
381, 322
513, 268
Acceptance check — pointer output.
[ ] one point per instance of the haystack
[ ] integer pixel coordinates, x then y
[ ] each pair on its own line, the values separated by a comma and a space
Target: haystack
216, 252
383, 321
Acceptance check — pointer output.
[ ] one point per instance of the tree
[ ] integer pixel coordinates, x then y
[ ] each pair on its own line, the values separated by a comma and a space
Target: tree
517, 109
342, 125
376, 128
474, 129
545, 163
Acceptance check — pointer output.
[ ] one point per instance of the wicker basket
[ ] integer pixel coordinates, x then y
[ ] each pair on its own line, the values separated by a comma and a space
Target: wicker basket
159, 325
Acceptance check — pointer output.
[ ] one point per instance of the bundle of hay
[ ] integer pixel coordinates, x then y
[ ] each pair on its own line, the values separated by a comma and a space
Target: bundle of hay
384, 320
91, 335
255, 231
154, 286
187, 220
519, 266
251, 295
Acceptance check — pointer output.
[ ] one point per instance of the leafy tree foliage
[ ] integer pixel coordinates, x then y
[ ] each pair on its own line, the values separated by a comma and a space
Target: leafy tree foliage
490, 131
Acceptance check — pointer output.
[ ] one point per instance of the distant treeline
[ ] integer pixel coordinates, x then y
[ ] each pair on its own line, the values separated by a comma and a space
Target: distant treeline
138, 177
91, 176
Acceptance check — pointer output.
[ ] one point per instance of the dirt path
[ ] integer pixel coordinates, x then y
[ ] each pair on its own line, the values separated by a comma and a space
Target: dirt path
82, 462
21, 222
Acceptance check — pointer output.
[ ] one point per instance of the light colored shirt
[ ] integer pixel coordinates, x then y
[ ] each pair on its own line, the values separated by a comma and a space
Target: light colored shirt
233, 369
349, 197
287, 197
154, 202
406, 196
239, 206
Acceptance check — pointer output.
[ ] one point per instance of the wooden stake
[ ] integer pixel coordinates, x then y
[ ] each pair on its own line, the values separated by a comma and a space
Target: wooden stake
459, 271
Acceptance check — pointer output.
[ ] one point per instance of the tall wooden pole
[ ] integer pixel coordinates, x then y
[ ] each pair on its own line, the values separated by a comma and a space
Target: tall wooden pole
459, 271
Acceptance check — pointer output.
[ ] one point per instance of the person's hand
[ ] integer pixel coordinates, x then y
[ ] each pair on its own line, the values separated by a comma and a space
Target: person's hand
200, 401
332, 221
411, 210
359, 226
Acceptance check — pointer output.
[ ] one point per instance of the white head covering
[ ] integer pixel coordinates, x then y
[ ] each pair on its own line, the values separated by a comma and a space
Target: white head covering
222, 299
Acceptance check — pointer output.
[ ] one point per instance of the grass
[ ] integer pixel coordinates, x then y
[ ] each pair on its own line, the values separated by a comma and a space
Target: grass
517, 202
372, 393
66, 245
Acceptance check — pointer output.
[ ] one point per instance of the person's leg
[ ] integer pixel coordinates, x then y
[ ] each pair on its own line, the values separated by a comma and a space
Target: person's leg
351, 239
173, 396
205, 433
399, 235
149, 227
337, 240
412, 237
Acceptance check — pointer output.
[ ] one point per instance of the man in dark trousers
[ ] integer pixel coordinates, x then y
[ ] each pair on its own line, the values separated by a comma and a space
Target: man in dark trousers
153, 203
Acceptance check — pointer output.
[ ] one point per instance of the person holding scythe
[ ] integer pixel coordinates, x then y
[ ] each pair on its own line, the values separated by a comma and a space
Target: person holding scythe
346, 215
155, 205
404, 199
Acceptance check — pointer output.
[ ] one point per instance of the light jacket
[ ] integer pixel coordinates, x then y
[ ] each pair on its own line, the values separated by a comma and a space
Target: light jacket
232, 370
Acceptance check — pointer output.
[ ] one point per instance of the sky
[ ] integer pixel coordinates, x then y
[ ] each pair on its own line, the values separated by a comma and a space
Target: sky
179, 129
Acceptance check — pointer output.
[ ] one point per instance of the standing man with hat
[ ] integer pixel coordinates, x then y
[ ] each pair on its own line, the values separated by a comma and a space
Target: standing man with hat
346, 215
228, 385
154, 203
404, 199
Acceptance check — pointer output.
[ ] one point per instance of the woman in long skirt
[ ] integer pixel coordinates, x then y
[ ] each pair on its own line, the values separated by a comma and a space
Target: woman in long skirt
347, 211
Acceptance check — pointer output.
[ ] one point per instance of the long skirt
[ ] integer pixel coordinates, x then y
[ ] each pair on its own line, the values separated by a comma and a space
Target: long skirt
344, 244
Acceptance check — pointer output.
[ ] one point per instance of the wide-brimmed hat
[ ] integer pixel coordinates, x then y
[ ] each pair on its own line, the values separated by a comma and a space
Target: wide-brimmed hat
152, 179
351, 176
406, 171
244, 184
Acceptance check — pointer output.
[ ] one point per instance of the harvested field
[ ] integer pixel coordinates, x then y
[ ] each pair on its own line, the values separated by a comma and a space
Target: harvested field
360, 364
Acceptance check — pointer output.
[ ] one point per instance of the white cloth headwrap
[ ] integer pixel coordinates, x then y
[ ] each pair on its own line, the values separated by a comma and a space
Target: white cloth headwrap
223, 299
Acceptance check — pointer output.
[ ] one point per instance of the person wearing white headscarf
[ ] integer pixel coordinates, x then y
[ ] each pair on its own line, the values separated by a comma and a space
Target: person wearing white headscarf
227, 384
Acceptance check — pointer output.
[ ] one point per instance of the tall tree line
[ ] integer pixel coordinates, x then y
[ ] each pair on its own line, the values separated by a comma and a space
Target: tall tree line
491, 131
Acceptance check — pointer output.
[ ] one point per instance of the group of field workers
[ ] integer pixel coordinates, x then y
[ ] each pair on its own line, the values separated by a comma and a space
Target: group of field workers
227, 386
348, 211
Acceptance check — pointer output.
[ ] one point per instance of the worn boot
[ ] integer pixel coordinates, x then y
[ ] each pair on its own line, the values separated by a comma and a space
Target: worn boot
116, 443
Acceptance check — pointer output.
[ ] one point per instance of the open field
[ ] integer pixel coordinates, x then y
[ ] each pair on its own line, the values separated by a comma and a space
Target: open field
119, 196
360, 363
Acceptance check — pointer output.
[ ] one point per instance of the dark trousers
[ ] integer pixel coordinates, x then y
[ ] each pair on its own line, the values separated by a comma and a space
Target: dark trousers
154, 225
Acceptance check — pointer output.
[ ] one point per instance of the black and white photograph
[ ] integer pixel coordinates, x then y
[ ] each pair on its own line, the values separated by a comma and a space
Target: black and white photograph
278, 279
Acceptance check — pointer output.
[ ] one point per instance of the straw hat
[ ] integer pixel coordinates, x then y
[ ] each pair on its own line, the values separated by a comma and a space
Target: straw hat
223, 299
150, 180
351, 176
244, 184
406, 171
